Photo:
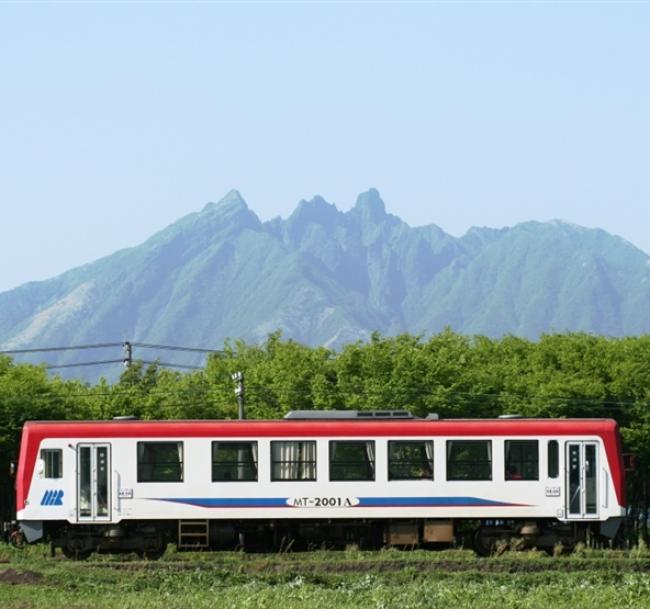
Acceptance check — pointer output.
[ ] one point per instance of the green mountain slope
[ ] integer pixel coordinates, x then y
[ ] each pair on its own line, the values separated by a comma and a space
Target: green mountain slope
328, 277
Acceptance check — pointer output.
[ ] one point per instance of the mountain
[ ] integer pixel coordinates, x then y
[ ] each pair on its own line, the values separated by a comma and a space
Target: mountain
329, 277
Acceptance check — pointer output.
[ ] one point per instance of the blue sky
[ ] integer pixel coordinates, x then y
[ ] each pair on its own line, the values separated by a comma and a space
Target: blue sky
118, 118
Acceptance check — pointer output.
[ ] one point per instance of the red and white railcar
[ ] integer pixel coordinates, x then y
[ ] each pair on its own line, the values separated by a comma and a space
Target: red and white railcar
335, 477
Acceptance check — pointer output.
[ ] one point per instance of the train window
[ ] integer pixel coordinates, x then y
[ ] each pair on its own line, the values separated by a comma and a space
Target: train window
469, 460
234, 461
522, 460
352, 460
294, 460
53, 462
553, 459
160, 462
410, 460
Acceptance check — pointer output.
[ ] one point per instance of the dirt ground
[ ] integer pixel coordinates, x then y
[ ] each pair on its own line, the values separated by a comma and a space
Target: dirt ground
15, 577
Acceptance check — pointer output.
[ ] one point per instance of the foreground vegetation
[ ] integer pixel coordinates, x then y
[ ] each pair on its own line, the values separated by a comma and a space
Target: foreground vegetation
563, 375
350, 579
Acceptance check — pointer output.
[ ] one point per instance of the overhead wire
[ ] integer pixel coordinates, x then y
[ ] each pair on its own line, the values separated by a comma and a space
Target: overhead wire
169, 365
113, 361
75, 365
175, 348
68, 348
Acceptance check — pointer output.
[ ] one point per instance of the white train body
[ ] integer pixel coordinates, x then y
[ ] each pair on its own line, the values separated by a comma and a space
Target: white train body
112, 473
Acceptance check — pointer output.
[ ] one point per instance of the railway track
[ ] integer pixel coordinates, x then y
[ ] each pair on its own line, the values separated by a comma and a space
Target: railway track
272, 565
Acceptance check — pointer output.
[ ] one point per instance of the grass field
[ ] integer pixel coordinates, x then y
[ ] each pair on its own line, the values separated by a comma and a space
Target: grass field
330, 580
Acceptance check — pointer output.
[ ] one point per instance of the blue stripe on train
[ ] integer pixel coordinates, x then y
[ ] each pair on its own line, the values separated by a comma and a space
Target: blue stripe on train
239, 502
430, 502
371, 502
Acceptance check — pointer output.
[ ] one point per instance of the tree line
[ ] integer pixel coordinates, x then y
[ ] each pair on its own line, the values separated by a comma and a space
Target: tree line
559, 375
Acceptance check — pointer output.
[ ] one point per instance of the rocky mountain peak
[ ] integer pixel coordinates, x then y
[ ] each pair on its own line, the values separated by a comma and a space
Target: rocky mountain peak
231, 201
230, 211
370, 206
315, 211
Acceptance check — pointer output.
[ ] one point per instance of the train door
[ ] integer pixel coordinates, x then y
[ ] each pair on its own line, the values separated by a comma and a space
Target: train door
93, 482
582, 479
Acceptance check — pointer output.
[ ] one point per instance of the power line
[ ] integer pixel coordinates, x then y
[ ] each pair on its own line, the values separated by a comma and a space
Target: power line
176, 348
110, 345
125, 360
70, 348
121, 361
96, 363
259, 389
168, 365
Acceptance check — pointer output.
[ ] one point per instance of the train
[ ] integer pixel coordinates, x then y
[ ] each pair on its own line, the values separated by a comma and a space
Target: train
318, 479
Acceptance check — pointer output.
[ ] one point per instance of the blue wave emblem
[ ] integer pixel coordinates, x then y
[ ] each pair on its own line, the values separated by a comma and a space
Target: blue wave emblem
433, 502
52, 497
368, 502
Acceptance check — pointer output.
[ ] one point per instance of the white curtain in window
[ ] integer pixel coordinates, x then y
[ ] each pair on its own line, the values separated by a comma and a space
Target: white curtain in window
293, 460
293, 452
370, 451
309, 460
489, 450
285, 457
428, 446
243, 460
180, 451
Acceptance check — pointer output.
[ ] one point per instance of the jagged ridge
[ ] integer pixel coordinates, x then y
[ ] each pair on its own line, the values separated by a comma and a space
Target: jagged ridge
329, 277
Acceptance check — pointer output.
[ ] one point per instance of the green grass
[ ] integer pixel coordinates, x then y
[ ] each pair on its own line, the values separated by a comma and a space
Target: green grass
333, 580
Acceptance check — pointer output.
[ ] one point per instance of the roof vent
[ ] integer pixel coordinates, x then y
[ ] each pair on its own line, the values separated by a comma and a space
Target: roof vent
384, 414
336, 415
126, 417
510, 416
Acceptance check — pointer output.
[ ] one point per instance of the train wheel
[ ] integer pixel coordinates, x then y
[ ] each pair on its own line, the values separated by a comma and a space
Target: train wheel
73, 554
17, 539
77, 548
153, 553
481, 544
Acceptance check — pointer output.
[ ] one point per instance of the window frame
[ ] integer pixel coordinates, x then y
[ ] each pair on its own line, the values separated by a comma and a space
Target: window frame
236, 464
429, 462
449, 463
313, 463
371, 463
553, 467
47, 466
520, 463
181, 461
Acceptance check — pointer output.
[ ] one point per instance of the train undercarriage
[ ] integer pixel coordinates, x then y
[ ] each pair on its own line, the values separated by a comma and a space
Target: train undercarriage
149, 539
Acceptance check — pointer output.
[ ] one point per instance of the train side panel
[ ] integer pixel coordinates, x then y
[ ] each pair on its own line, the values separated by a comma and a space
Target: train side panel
60, 497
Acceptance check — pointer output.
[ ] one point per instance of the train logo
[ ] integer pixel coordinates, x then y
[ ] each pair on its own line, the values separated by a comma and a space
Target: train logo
52, 497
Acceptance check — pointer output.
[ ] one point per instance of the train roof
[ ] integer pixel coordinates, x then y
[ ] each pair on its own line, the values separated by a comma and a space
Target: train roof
320, 427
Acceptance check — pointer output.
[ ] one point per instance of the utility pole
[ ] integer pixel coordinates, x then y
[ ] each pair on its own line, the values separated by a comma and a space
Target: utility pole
238, 377
128, 354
